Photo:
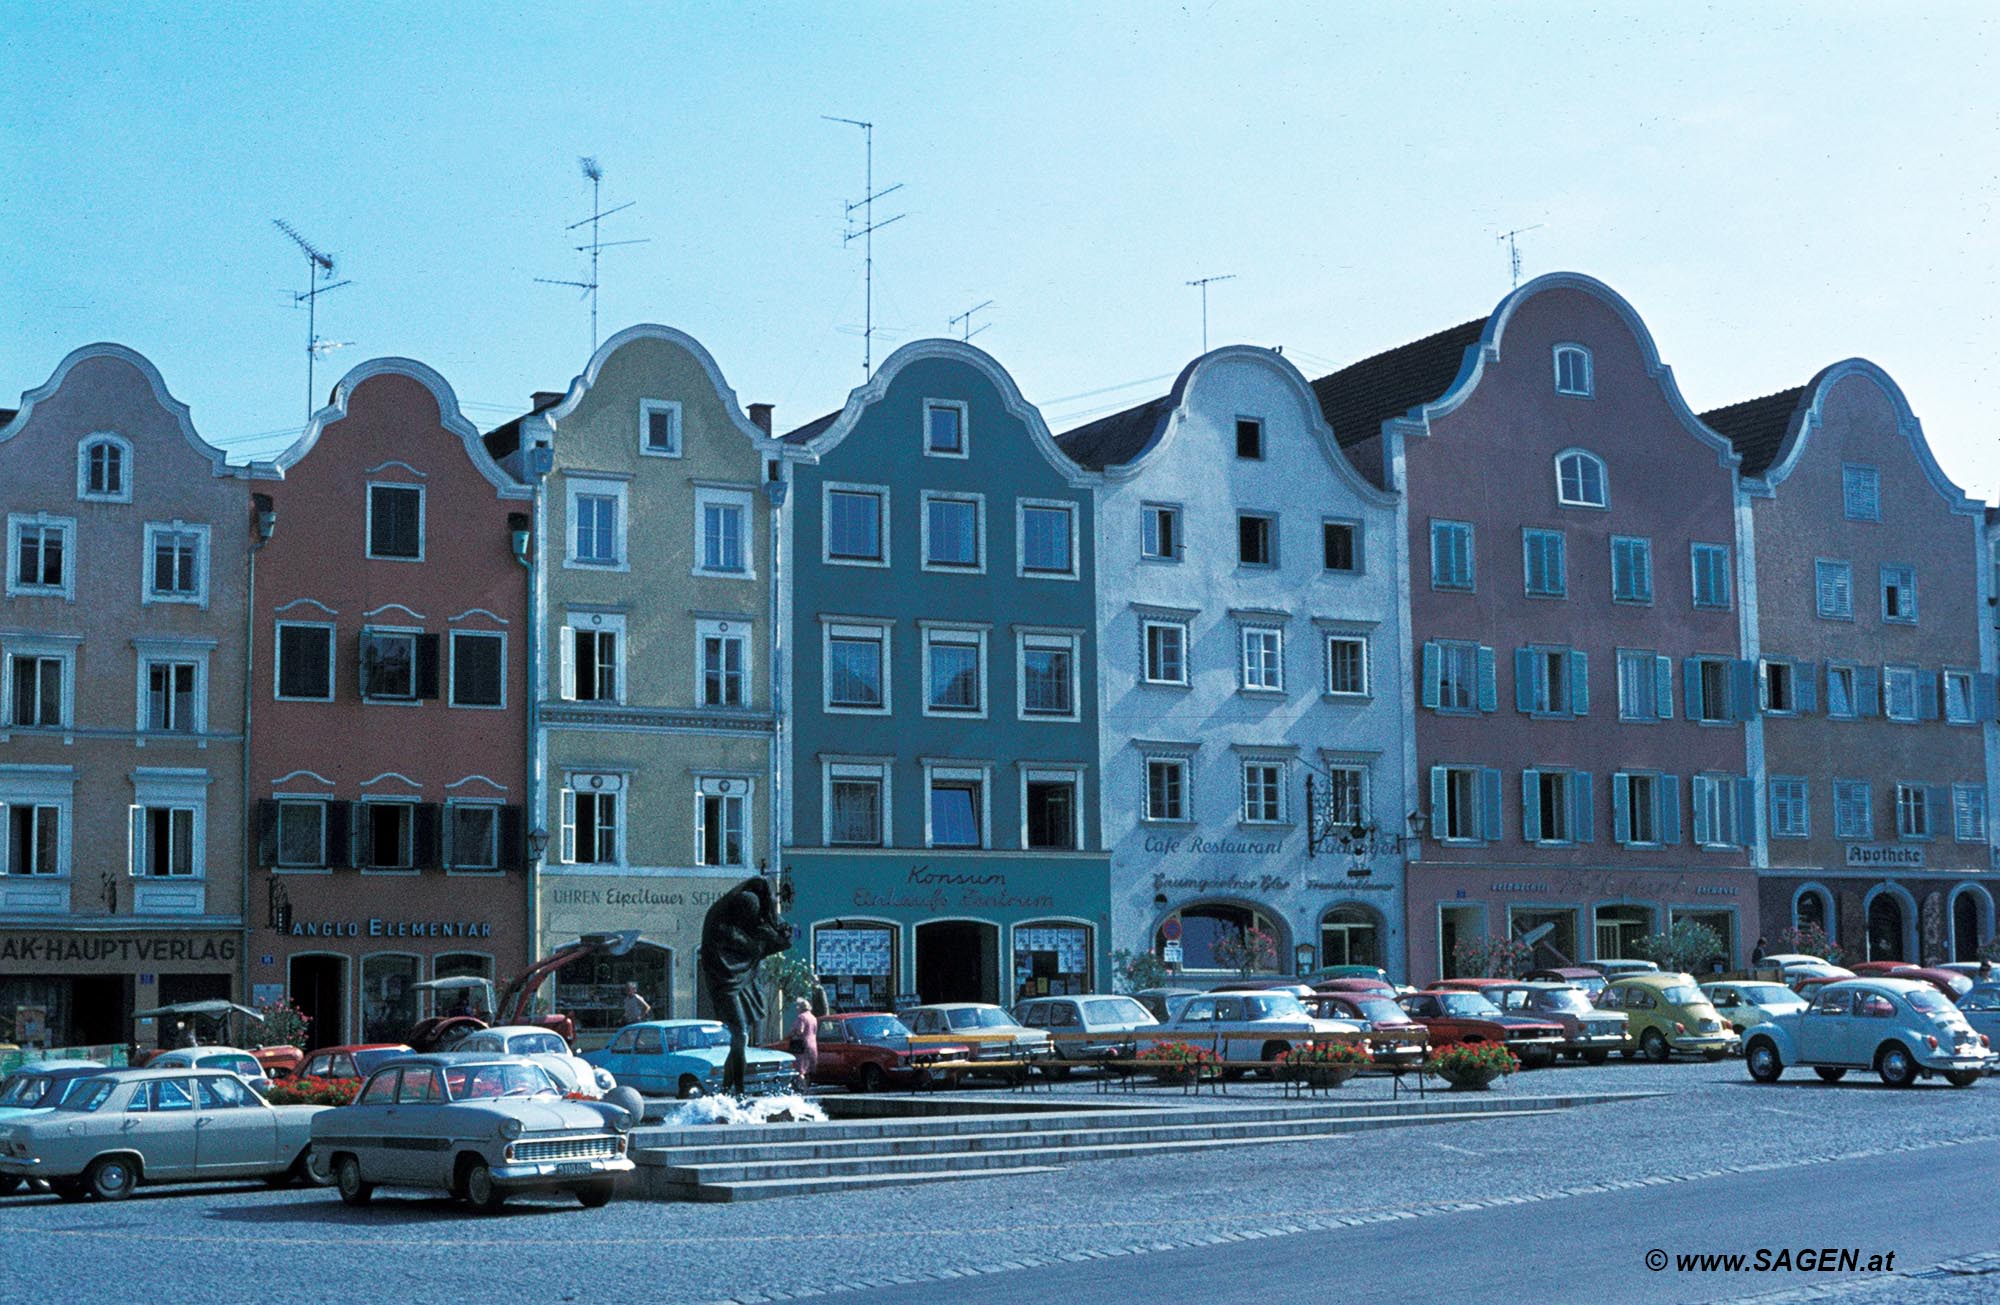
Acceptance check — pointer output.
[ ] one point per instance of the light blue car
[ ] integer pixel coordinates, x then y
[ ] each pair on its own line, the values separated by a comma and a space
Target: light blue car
34, 1089
683, 1058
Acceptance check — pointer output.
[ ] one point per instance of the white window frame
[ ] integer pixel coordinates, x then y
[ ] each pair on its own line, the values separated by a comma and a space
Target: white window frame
277, 660
1603, 480
733, 631
1892, 673
451, 673
1146, 626
964, 411
725, 788
1913, 800
1069, 511
938, 771
1850, 795
198, 597
1770, 669
1180, 761
1339, 765
1842, 574
1571, 348
1053, 774
1720, 791
671, 407
173, 789
1849, 472
1331, 637
326, 807
1475, 806
1148, 512
1026, 637
881, 495
448, 835
945, 632
862, 629
1655, 783
415, 634
585, 486
744, 502
981, 543
1945, 680
62, 649
1245, 630
83, 448
19, 521
580, 783
612, 623
880, 771
357, 833
1281, 768
368, 521
155, 652
37, 786
1450, 653
1790, 795
1565, 809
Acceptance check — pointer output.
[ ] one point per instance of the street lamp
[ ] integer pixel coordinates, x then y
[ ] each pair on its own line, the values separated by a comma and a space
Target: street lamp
538, 843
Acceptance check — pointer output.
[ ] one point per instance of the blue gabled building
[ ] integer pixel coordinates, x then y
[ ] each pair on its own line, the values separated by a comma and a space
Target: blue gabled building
941, 809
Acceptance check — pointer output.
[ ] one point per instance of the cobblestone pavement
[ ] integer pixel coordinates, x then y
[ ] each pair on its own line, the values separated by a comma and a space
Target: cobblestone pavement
235, 1243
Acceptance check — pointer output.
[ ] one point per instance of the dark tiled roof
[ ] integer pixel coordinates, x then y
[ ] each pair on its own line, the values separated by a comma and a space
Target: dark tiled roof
807, 432
1358, 398
7, 415
1119, 438
1757, 427
504, 440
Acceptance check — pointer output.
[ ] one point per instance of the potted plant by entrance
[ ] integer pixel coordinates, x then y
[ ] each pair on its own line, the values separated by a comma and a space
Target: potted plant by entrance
1178, 1062
1324, 1064
1472, 1067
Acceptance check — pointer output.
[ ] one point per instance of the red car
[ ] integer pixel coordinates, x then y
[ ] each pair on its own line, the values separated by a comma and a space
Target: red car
357, 1060
870, 1050
1355, 985
1454, 1016
1949, 982
1377, 1012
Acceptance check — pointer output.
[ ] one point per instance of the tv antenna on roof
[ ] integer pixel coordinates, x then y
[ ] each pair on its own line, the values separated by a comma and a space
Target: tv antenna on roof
1204, 283
968, 330
1514, 251
595, 172
319, 268
865, 233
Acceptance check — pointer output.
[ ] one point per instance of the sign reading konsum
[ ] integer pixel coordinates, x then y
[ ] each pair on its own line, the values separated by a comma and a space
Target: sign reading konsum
1876, 856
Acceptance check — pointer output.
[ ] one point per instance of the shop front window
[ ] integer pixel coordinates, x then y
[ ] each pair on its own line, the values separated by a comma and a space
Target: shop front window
1221, 936
1557, 946
591, 990
1350, 935
1724, 924
856, 964
388, 997
1051, 960
1619, 929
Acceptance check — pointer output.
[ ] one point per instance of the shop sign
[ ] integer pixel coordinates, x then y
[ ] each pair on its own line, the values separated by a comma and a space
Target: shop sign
1171, 954
937, 891
633, 897
376, 927
1578, 887
33, 949
1884, 856
1159, 845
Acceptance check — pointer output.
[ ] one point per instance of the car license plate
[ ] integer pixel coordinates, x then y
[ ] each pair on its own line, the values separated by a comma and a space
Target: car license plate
573, 1167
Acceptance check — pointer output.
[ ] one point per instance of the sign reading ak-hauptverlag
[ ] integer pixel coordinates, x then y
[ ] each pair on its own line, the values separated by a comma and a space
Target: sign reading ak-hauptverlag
1879, 856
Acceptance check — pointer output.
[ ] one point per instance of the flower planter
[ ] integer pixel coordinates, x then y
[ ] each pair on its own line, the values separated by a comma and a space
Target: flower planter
1473, 1068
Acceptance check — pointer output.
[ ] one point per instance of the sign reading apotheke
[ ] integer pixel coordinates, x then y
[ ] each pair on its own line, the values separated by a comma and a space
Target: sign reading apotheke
1878, 856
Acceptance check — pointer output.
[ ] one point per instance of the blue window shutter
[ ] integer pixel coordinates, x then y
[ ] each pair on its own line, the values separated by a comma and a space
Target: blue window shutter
1868, 690
1582, 813
1524, 680
1621, 807
1489, 804
1805, 687
1927, 695
1433, 672
1746, 811
1579, 683
1742, 690
1691, 687
1440, 801
1489, 697
1663, 688
1937, 810
1698, 787
1531, 806
1669, 814
1984, 706
1440, 542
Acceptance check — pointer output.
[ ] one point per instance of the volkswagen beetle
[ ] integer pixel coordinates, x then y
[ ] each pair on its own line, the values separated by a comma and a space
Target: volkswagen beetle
1902, 1029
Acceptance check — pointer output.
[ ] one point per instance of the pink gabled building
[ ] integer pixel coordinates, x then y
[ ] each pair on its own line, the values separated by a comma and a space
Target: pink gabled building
1581, 694
388, 732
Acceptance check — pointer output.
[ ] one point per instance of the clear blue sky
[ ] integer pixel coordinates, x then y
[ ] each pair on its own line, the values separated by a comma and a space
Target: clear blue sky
1774, 188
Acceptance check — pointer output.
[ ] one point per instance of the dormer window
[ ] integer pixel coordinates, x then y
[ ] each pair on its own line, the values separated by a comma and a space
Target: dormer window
1573, 370
104, 469
1580, 480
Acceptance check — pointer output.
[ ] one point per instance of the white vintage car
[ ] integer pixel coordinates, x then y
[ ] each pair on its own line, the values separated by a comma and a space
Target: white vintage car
129, 1126
477, 1125
1249, 1026
546, 1048
236, 1061
1902, 1029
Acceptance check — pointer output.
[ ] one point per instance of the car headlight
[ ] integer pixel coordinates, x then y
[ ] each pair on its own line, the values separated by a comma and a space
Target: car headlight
511, 1128
604, 1079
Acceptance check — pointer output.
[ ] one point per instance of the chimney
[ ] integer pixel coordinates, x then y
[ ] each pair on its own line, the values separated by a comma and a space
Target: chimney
544, 399
760, 417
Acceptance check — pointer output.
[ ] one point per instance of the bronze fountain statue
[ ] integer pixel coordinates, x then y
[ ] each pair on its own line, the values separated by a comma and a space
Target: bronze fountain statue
739, 931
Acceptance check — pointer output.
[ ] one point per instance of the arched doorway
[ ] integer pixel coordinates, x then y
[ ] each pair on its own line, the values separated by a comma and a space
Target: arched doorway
1811, 911
1971, 921
1350, 934
1208, 933
591, 989
1888, 926
958, 960
318, 985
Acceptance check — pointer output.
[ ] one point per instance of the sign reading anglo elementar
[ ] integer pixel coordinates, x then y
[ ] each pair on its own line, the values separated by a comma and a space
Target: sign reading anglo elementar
1885, 856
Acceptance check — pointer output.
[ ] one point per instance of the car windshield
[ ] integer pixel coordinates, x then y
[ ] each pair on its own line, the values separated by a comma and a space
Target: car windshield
23, 1089
242, 1066
1928, 1000
1469, 1004
702, 1035
1275, 1006
1681, 994
1380, 1010
480, 1082
1981, 998
537, 1044
93, 1093
881, 1030
1771, 996
1570, 1001
1116, 1010
978, 1017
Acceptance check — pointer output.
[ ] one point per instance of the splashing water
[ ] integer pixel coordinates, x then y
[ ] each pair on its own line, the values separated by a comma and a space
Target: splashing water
789, 1108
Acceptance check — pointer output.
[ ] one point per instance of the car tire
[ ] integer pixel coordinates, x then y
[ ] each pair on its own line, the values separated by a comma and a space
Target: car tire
1896, 1066
1654, 1044
1596, 1057
870, 1079
1762, 1058
475, 1180
689, 1088
595, 1196
347, 1177
1829, 1073
112, 1178
1961, 1078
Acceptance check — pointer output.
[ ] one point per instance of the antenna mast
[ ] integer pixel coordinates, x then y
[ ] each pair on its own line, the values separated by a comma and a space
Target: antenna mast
319, 267
1204, 283
966, 318
866, 234
597, 245
1513, 250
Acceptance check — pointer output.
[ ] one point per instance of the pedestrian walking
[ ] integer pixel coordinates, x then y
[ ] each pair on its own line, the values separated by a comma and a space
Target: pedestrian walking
636, 1007
805, 1038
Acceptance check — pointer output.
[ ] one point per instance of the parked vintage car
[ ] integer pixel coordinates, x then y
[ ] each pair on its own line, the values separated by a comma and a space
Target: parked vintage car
1746, 1002
1803, 977
1165, 1003
546, 1048
123, 1127
989, 1032
1981, 1008
1250, 1026
240, 1063
355, 1061
1357, 983
870, 1050
35, 1089
1618, 969
1456, 1016
1586, 977
1903, 1029
1094, 1027
1949, 982
1401, 1040
1669, 1016
1590, 1034
1325, 972
684, 1058
479, 1126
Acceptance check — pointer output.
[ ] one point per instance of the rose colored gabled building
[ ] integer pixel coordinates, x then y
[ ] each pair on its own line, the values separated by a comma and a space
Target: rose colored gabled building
1875, 657
1575, 633
388, 709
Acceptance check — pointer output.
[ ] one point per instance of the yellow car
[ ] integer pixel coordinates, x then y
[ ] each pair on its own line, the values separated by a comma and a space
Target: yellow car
1669, 1014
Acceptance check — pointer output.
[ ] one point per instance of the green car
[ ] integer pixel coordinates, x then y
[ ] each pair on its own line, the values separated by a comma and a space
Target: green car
1751, 1001
1668, 1015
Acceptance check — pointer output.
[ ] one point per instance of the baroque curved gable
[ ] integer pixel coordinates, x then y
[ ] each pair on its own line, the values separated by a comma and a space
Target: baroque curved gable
217, 460
1799, 439
581, 384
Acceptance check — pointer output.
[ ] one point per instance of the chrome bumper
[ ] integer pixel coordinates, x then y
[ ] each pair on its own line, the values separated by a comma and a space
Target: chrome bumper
559, 1171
